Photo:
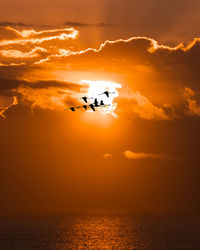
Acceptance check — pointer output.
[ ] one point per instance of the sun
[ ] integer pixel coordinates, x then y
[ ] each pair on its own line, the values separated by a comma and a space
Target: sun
96, 90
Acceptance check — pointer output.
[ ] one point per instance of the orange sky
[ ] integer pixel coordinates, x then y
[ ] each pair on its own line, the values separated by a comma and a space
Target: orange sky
141, 155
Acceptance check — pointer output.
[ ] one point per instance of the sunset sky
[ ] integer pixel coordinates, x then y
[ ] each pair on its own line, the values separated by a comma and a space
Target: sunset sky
140, 154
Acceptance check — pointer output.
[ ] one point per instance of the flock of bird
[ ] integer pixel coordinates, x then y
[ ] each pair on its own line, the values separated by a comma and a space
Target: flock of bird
94, 105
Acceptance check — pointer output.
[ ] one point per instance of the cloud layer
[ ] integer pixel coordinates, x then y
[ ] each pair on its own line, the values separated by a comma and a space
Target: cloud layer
161, 83
135, 156
19, 47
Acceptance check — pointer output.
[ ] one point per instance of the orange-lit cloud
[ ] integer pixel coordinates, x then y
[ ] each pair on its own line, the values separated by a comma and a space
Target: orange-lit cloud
29, 46
107, 155
37, 37
52, 95
152, 46
140, 106
58, 97
153, 73
31, 37
4, 109
20, 54
193, 101
135, 156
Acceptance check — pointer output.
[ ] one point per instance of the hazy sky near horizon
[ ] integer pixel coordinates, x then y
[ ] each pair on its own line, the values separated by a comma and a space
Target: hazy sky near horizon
167, 21
143, 155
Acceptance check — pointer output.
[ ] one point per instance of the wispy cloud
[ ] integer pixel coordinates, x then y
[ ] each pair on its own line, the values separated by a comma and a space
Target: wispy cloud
80, 24
5, 24
23, 25
19, 54
107, 155
135, 155
37, 37
30, 46
4, 109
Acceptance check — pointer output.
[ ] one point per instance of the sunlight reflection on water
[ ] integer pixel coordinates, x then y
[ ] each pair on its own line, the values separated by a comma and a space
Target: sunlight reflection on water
103, 232
99, 232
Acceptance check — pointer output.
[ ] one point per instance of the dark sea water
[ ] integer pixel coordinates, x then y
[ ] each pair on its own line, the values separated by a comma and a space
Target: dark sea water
99, 232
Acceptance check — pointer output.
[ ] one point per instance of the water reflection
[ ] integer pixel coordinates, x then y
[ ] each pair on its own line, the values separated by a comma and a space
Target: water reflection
99, 232
104, 232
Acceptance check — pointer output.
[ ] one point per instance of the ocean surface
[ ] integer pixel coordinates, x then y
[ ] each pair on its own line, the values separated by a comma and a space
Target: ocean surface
99, 232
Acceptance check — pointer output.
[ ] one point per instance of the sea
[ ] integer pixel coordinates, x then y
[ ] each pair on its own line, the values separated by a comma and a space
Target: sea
99, 232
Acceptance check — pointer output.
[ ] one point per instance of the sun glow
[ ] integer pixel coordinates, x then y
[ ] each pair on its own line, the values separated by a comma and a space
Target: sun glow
96, 90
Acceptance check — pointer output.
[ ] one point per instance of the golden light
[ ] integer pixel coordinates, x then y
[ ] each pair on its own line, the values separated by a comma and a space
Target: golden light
96, 90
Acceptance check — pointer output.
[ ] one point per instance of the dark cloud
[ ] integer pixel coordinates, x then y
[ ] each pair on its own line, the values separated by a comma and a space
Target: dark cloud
24, 25
179, 64
12, 84
50, 94
5, 24
8, 84
80, 24
44, 84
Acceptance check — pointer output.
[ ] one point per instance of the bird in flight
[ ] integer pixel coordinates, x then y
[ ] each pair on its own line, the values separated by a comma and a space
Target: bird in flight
85, 98
92, 107
72, 109
85, 107
107, 93
102, 103
96, 103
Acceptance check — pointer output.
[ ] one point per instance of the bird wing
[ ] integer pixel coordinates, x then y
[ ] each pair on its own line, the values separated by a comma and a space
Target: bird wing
92, 107
85, 107
84, 99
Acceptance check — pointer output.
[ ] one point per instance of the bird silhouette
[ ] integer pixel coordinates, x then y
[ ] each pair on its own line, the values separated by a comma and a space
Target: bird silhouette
85, 107
102, 103
96, 103
85, 98
107, 93
92, 107
73, 109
